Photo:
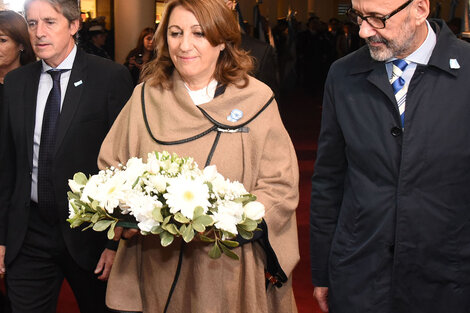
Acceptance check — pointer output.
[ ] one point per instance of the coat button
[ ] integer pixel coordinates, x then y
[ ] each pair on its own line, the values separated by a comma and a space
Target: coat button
395, 131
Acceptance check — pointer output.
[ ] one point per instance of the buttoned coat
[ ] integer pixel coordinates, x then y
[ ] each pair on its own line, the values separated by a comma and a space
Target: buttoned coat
390, 210
260, 156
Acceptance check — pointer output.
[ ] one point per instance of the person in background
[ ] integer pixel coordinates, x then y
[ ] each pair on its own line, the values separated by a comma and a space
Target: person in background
15, 50
96, 41
141, 54
265, 58
15, 47
390, 206
55, 115
199, 81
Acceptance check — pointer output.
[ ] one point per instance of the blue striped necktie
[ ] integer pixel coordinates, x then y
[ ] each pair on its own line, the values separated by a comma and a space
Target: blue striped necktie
399, 88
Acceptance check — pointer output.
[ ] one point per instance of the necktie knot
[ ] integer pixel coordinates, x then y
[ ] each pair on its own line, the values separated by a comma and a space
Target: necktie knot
55, 74
401, 64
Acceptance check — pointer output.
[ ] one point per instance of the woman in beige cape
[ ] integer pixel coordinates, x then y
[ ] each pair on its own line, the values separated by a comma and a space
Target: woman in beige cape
197, 100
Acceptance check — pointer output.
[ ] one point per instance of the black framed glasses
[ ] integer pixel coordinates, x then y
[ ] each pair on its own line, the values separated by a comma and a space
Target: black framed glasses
377, 22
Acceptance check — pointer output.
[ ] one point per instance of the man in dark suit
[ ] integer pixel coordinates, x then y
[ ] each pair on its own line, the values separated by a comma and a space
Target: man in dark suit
56, 113
390, 209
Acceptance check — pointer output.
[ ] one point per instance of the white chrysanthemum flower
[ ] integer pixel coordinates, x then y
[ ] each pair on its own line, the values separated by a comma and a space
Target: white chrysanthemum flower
92, 187
111, 192
153, 164
254, 210
228, 216
185, 195
210, 173
158, 182
142, 206
237, 189
134, 168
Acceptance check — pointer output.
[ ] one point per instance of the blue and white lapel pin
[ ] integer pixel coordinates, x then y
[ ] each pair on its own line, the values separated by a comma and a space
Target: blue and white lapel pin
235, 115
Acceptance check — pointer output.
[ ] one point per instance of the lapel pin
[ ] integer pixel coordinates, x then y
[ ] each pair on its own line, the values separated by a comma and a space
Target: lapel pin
235, 115
454, 64
76, 84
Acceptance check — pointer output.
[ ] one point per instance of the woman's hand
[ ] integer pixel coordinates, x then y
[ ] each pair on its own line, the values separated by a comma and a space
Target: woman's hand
124, 233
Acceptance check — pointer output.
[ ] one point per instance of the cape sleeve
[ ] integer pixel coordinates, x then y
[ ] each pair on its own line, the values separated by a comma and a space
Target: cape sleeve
276, 186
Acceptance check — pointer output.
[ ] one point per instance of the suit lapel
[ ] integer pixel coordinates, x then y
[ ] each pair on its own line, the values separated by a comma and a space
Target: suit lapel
72, 97
378, 77
30, 102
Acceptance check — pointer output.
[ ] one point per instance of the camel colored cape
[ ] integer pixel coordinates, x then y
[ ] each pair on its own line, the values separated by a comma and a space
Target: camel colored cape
263, 159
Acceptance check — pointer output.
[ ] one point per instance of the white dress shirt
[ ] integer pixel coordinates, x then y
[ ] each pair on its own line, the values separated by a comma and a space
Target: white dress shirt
44, 88
419, 56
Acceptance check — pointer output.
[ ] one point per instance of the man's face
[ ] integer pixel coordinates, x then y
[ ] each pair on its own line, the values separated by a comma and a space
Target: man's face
50, 32
397, 39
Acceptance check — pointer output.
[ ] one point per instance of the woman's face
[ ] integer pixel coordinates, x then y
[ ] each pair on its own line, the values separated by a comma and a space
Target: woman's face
9, 51
194, 57
148, 42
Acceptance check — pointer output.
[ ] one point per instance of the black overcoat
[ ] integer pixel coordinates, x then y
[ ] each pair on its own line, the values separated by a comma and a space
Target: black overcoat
390, 210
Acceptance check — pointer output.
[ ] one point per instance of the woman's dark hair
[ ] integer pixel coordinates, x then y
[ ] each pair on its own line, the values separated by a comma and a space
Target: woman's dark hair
139, 48
14, 26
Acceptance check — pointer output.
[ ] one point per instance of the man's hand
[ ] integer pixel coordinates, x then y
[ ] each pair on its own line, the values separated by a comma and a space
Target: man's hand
124, 233
105, 263
2, 260
321, 294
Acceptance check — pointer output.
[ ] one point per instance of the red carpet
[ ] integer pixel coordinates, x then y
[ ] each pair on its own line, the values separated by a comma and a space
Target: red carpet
301, 113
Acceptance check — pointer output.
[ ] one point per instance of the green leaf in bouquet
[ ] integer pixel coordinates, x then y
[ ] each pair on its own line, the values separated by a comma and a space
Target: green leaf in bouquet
215, 252
94, 205
198, 211
157, 230
248, 224
198, 226
80, 178
181, 218
95, 218
244, 233
166, 239
102, 225
228, 235
188, 234
157, 214
111, 230
205, 220
76, 222
101, 211
73, 196
230, 243
229, 252
245, 198
166, 220
171, 228
205, 238
136, 182
88, 227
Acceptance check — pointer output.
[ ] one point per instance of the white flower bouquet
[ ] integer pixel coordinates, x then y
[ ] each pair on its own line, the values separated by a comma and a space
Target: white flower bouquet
168, 196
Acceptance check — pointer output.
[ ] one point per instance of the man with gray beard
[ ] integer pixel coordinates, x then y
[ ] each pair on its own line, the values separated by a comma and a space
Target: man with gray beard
390, 207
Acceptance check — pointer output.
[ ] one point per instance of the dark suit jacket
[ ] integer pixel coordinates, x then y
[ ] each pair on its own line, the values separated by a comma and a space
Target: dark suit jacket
96, 92
266, 67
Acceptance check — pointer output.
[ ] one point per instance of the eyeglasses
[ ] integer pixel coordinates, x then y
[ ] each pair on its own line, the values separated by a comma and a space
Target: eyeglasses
377, 22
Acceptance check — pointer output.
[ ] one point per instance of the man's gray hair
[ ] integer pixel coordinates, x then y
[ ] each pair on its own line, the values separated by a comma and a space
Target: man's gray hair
68, 8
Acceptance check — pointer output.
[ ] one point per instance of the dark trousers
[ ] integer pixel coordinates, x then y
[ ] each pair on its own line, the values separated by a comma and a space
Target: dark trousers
36, 275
